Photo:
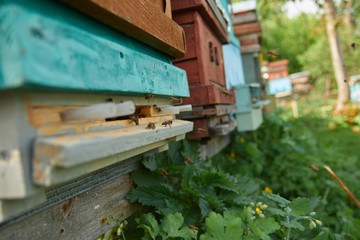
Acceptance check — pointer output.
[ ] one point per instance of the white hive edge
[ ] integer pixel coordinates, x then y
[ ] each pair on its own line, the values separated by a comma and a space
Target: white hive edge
185, 108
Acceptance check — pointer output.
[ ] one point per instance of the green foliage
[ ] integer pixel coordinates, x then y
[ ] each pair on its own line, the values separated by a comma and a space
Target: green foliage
171, 227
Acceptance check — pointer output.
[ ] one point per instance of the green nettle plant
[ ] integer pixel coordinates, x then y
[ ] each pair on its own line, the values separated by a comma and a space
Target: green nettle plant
193, 199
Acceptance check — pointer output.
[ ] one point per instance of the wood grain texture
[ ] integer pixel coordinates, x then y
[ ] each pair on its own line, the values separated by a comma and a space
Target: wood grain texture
209, 95
84, 220
73, 150
142, 20
52, 47
207, 65
246, 28
213, 146
180, 6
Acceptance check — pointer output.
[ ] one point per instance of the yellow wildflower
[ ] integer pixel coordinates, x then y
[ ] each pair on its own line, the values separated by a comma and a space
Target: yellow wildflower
242, 139
268, 190
263, 207
258, 210
232, 155
318, 222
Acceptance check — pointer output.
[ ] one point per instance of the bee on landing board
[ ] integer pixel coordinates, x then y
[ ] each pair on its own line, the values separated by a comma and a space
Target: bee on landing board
156, 108
134, 118
150, 125
200, 130
167, 122
226, 92
174, 100
149, 96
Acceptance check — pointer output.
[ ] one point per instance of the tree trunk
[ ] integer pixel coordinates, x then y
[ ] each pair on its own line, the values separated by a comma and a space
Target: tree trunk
336, 56
348, 20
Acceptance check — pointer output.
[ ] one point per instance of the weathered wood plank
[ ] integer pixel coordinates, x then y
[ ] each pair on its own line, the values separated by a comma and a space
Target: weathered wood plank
217, 110
223, 129
204, 9
69, 129
255, 48
246, 17
209, 95
213, 146
246, 28
55, 48
80, 217
139, 19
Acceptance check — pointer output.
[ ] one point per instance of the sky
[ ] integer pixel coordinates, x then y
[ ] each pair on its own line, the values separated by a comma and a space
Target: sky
297, 7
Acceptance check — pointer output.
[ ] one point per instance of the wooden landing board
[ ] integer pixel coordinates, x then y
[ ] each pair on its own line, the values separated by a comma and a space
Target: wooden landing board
200, 111
213, 146
209, 95
143, 20
223, 129
211, 127
80, 217
202, 6
59, 49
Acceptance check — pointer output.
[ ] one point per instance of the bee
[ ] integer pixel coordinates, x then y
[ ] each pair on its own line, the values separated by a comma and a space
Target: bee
188, 160
156, 108
273, 54
193, 227
353, 46
313, 168
344, 80
151, 125
134, 118
226, 92
254, 100
174, 100
149, 96
167, 122
164, 172
200, 130
105, 219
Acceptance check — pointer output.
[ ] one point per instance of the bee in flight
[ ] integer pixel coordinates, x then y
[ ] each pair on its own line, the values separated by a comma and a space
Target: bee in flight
353, 46
226, 92
313, 168
188, 160
273, 54
134, 118
174, 100
149, 96
164, 172
200, 130
193, 227
167, 122
151, 125
156, 108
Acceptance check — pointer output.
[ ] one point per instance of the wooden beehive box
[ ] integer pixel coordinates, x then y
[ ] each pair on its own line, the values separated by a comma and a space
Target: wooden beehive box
203, 61
76, 102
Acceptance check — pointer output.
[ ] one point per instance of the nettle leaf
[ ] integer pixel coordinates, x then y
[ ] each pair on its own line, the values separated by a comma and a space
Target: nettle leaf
217, 178
174, 153
146, 179
276, 198
293, 224
171, 227
220, 228
187, 175
171, 206
150, 196
299, 206
276, 211
149, 224
150, 163
191, 149
204, 207
262, 227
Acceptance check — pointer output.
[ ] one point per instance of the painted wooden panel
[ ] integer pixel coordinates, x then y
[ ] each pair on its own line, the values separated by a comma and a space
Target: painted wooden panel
234, 73
200, 111
244, 17
204, 8
246, 28
212, 126
243, 99
142, 20
79, 217
249, 121
251, 68
208, 65
209, 95
44, 45
280, 85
